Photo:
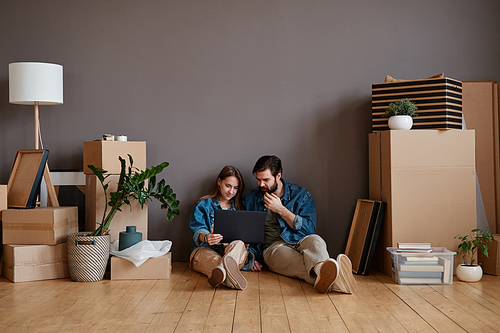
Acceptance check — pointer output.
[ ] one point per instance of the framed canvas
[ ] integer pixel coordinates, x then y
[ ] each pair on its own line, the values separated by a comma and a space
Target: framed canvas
363, 235
25, 178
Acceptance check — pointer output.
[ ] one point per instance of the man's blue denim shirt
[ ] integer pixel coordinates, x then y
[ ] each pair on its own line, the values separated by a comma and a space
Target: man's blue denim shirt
296, 199
202, 221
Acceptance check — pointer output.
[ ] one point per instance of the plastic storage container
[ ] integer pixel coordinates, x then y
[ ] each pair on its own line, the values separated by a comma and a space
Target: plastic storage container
435, 267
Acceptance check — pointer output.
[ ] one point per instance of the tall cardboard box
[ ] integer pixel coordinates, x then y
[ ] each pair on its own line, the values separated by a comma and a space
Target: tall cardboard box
3, 205
104, 154
480, 108
3, 199
23, 263
158, 268
95, 203
44, 225
427, 178
491, 263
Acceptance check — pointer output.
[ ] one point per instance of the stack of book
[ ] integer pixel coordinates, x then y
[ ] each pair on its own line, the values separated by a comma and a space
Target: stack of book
426, 265
415, 247
419, 266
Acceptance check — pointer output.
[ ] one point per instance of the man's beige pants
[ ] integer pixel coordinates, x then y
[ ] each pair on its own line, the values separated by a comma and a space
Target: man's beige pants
297, 260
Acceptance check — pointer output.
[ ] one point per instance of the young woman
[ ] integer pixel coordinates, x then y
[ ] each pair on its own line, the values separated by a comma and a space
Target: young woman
221, 262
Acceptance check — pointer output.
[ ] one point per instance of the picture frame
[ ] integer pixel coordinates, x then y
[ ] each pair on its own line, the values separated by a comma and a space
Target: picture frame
365, 229
25, 178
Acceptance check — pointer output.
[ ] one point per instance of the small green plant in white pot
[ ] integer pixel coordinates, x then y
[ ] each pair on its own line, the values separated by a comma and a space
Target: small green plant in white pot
400, 114
476, 240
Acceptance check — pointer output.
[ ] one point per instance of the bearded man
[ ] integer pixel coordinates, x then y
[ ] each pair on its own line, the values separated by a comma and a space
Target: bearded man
291, 246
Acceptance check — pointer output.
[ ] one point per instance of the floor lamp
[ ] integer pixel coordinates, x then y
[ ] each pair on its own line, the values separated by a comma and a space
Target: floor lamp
37, 83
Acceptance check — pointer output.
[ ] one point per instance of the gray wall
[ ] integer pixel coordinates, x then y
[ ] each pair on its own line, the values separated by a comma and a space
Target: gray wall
210, 83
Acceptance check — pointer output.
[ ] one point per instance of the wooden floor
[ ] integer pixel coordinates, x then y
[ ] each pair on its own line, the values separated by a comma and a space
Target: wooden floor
271, 303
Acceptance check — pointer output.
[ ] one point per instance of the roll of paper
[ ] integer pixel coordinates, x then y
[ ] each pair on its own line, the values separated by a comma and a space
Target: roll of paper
121, 138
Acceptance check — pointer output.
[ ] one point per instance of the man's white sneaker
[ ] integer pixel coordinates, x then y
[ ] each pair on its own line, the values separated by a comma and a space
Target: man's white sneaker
346, 281
328, 273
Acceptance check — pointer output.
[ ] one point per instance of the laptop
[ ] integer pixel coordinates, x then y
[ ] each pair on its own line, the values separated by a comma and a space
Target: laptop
244, 225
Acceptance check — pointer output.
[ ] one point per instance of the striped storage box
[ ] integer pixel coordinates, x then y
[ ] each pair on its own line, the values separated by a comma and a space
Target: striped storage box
439, 102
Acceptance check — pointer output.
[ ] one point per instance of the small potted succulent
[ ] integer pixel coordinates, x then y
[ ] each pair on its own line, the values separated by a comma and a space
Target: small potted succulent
476, 240
400, 114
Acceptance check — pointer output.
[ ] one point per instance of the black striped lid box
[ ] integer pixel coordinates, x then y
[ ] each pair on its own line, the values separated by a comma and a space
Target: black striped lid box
439, 102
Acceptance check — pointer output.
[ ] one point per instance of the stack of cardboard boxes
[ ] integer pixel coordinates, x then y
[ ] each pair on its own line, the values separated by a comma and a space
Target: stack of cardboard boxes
35, 241
425, 175
105, 155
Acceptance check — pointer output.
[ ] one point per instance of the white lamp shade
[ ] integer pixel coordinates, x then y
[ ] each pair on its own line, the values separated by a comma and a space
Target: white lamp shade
35, 83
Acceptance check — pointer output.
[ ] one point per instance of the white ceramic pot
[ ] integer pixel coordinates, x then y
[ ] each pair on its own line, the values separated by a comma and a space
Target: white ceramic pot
469, 273
400, 122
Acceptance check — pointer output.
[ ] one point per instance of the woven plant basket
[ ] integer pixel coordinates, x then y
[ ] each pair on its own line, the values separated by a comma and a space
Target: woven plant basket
87, 256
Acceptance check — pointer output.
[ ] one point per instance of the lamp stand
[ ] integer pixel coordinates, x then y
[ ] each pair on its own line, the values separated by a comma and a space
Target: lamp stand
51, 191
37, 127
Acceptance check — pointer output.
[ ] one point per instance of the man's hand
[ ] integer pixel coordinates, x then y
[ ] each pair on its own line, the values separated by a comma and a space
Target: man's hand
273, 202
257, 267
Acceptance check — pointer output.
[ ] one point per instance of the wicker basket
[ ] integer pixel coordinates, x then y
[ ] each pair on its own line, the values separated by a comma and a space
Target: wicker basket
87, 256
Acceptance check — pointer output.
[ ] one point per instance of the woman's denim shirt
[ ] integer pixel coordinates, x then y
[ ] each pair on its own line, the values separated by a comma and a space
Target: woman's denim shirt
297, 200
202, 221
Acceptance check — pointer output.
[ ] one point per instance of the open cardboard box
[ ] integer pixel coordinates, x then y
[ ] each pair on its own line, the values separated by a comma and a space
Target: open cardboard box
158, 268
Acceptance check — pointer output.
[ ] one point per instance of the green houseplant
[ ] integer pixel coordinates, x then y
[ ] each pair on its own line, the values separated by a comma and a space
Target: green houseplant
400, 114
135, 184
401, 107
476, 240
88, 252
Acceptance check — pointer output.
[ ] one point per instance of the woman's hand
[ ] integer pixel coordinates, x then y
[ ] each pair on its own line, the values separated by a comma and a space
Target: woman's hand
214, 238
257, 267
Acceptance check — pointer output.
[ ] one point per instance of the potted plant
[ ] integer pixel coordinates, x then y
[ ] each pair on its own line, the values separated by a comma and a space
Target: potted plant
476, 240
400, 114
88, 252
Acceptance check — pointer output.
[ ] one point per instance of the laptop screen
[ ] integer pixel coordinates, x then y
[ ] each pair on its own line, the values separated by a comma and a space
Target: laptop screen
244, 225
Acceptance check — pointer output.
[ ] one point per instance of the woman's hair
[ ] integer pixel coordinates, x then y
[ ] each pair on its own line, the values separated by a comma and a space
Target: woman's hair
227, 171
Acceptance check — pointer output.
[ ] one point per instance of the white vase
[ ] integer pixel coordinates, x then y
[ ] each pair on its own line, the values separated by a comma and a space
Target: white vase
400, 122
469, 273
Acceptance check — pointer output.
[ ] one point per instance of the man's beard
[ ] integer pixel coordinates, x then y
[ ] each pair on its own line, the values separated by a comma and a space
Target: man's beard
271, 190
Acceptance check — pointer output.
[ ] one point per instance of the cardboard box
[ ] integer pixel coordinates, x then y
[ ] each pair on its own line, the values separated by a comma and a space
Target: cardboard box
3, 206
104, 154
480, 107
153, 269
427, 178
3, 199
491, 263
45, 225
439, 102
35, 262
94, 207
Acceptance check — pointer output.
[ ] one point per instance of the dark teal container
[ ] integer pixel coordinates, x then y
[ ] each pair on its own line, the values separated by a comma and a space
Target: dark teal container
128, 238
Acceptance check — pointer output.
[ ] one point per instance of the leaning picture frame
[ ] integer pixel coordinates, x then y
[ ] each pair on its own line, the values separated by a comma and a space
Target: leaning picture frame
25, 178
365, 229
